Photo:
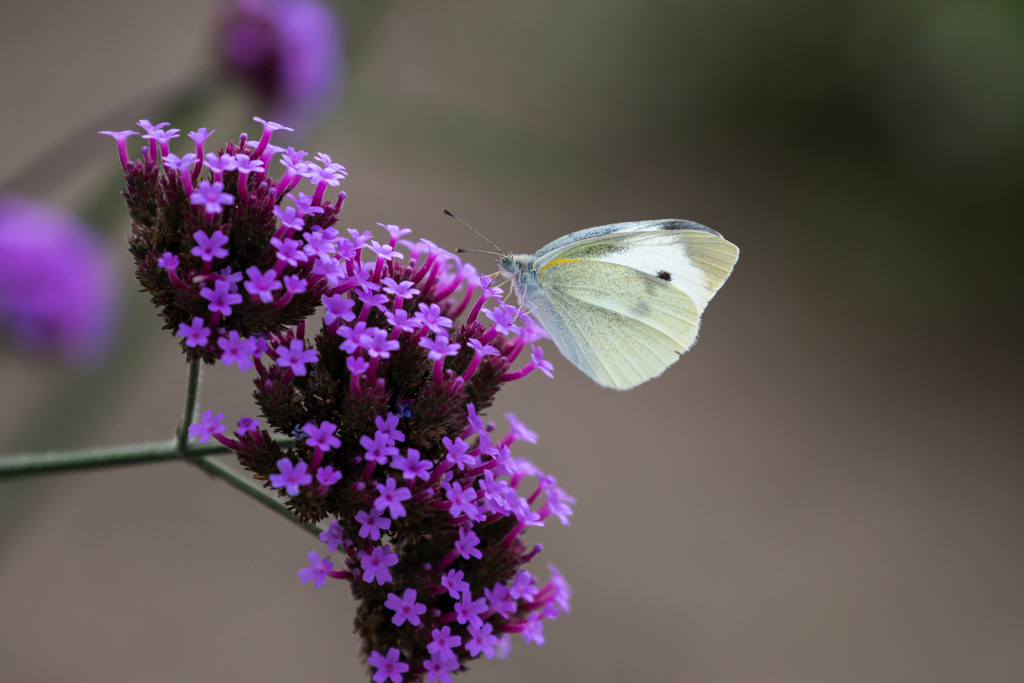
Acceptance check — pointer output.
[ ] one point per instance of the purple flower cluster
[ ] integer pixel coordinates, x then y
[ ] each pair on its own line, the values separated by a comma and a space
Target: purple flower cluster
58, 289
229, 253
287, 52
424, 505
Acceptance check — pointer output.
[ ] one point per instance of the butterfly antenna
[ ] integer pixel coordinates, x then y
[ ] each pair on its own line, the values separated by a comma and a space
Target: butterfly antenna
500, 252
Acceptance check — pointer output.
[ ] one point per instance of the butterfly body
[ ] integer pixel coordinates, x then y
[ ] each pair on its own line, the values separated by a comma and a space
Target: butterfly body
622, 301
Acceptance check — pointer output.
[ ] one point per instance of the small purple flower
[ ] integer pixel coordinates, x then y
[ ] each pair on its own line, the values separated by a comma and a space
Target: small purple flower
325, 176
520, 432
262, 284
246, 425
411, 466
482, 349
391, 497
378, 449
401, 321
353, 336
461, 499
200, 136
321, 437
212, 196
289, 250
562, 589
121, 136
168, 261
209, 425
328, 164
182, 164
439, 668
443, 642
388, 668
537, 356
389, 427
523, 586
399, 290
332, 270
291, 477
295, 356
290, 217
430, 316
375, 564
439, 348
378, 345
293, 284
533, 631
457, 453
357, 365
467, 544
218, 164
395, 231
162, 138
196, 334
481, 640
405, 608
318, 244
504, 317
237, 349
333, 536
327, 475
384, 251
338, 308
221, 297
246, 165
500, 601
373, 300
372, 523
468, 610
304, 202
317, 573
453, 582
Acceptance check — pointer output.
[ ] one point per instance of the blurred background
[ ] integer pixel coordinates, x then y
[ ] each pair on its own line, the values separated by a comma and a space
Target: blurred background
828, 487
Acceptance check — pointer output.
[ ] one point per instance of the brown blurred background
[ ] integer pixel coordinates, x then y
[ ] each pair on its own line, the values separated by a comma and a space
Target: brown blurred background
829, 487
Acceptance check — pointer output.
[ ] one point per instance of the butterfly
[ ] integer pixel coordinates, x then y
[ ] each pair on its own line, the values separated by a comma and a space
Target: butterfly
623, 301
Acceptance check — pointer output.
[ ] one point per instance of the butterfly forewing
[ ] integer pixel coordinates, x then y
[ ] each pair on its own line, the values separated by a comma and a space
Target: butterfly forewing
697, 262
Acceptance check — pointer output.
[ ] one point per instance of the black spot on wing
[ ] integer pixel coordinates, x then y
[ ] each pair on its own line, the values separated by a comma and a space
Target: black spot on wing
664, 275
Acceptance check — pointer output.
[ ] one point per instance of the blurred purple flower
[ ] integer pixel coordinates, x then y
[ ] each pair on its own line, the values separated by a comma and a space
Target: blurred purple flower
289, 52
58, 289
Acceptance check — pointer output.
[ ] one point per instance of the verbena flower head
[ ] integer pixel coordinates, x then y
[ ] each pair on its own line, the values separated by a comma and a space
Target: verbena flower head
423, 503
287, 52
58, 288
212, 250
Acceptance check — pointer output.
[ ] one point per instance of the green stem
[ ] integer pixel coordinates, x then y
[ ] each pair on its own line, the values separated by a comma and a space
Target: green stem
46, 462
95, 458
191, 392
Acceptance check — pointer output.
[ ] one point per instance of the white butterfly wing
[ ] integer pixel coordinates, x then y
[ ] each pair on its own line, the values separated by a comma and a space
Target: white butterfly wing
621, 302
618, 325
693, 258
